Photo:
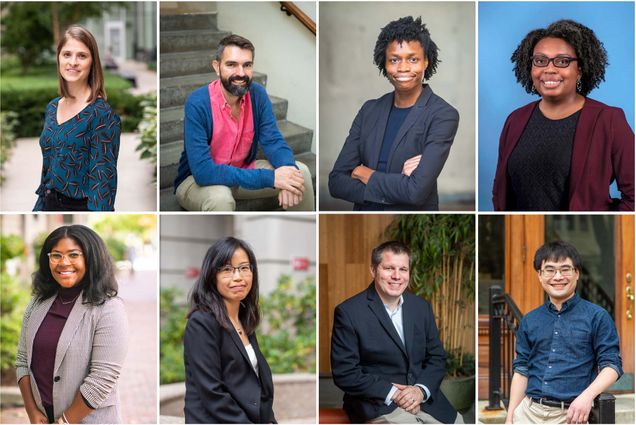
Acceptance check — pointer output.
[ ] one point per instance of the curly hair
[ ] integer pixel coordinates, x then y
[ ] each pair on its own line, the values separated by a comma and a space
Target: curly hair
99, 283
591, 55
406, 29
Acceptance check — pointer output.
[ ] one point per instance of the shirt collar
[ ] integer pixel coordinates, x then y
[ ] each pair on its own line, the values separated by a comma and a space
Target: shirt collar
399, 306
567, 305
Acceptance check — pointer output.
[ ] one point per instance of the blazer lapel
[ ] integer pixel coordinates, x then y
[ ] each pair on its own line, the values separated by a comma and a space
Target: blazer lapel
516, 129
414, 116
583, 138
37, 316
408, 324
241, 348
74, 320
376, 135
376, 306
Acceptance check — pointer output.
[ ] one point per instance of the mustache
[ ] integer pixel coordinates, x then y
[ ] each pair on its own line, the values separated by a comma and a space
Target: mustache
237, 78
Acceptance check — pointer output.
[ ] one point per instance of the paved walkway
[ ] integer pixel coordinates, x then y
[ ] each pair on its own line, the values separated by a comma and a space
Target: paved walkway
139, 378
135, 191
146, 80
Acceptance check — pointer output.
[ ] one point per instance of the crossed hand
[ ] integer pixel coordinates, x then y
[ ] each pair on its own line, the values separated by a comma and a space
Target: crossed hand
408, 397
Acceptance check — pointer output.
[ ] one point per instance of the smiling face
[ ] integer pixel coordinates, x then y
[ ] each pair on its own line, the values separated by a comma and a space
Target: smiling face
235, 285
235, 69
554, 83
559, 288
405, 65
75, 62
71, 269
391, 276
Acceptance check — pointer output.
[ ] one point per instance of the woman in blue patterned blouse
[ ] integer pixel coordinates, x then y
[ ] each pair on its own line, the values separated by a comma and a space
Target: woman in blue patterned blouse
80, 139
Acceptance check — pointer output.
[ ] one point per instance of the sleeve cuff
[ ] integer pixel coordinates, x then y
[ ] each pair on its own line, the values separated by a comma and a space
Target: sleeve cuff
616, 368
427, 394
21, 372
521, 370
388, 400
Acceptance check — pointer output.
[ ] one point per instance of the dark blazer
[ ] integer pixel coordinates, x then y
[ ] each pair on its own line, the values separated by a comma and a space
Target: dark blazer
429, 130
603, 151
367, 356
221, 386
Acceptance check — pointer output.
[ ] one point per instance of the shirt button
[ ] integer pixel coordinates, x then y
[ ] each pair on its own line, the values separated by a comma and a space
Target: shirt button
553, 350
545, 383
556, 333
549, 367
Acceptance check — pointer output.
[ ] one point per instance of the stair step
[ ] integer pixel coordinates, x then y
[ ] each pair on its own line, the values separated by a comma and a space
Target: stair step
188, 40
168, 201
297, 137
186, 63
175, 90
171, 128
193, 21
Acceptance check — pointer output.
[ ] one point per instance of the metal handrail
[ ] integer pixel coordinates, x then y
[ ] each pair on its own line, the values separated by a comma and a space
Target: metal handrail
292, 9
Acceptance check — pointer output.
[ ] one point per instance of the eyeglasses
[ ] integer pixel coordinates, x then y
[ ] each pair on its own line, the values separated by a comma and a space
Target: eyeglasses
56, 257
228, 270
550, 272
541, 61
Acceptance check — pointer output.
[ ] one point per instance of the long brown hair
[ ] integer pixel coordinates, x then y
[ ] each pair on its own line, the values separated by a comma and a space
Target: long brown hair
95, 77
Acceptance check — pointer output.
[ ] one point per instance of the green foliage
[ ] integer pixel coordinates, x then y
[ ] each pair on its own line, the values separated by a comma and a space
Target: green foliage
13, 300
116, 247
120, 225
459, 363
8, 122
173, 322
26, 32
148, 128
288, 335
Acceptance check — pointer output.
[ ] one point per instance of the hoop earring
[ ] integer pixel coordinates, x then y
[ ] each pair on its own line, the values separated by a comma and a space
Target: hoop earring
578, 85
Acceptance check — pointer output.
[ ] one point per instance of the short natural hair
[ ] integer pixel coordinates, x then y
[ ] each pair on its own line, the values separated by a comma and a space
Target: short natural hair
95, 77
233, 40
99, 283
590, 53
205, 295
557, 251
396, 247
406, 29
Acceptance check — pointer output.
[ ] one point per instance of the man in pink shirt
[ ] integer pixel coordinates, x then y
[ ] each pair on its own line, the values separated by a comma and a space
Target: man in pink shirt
225, 122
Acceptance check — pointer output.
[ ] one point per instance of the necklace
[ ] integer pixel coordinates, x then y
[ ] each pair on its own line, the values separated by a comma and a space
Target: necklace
239, 329
68, 302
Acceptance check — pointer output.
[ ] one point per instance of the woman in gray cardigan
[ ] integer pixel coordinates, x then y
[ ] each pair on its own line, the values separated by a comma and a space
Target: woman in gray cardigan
74, 333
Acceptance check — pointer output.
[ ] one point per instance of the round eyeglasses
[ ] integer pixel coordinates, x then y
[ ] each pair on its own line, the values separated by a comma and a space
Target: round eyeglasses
550, 272
541, 61
56, 257
228, 270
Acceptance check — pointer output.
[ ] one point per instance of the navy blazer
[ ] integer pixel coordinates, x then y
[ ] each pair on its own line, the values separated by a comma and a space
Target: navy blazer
429, 130
603, 151
367, 356
221, 385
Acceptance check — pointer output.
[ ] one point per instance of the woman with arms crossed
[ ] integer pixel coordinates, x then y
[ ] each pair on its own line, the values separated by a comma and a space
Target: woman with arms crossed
563, 151
80, 139
227, 378
74, 333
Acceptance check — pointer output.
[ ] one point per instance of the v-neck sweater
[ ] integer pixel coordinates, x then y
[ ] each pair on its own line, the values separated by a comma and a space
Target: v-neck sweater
79, 155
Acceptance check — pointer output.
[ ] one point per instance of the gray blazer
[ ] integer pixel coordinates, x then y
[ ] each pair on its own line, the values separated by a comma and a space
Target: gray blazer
429, 129
89, 356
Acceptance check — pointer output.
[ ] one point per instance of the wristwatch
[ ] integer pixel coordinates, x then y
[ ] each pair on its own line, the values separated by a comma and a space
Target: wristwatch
424, 395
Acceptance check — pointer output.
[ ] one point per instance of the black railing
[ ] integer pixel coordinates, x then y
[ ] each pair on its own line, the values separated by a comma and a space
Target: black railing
504, 320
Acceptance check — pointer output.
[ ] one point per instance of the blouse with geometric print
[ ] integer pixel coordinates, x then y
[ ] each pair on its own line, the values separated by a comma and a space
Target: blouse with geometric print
80, 155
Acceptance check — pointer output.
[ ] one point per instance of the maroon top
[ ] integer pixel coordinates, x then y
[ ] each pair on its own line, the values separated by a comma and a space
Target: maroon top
603, 150
46, 338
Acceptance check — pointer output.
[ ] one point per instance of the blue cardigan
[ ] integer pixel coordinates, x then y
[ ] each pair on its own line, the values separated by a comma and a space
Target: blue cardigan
197, 133
80, 155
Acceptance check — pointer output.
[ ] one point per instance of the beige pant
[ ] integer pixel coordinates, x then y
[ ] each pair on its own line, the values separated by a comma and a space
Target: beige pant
529, 412
401, 416
193, 197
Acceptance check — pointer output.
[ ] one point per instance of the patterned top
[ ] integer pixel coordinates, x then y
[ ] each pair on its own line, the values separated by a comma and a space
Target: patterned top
80, 155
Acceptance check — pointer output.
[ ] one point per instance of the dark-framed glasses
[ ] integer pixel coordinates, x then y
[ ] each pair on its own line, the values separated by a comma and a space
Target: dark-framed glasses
228, 270
541, 61
57, 257
549, 272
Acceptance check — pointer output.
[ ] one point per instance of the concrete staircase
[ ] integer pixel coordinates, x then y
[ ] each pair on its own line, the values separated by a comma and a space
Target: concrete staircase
188, 43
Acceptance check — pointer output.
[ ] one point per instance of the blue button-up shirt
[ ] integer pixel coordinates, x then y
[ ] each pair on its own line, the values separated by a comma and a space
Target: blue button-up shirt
561, 352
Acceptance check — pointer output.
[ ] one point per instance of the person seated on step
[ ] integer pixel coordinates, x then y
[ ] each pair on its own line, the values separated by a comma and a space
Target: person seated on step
224, 124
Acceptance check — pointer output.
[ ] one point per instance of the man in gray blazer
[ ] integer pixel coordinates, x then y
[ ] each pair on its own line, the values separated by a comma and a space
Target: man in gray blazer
398, 143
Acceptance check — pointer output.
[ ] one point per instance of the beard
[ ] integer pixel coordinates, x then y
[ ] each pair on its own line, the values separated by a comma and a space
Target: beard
235, 90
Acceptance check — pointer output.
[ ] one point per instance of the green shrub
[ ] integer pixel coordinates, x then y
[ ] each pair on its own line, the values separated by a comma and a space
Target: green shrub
8, 122
287, 336
173, 321
148, 128
116, 247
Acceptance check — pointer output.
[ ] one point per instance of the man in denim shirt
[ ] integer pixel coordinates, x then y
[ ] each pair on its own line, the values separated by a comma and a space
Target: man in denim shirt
567, 349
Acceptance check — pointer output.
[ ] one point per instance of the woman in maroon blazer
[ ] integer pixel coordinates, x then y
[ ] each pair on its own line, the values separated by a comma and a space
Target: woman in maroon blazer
562, 152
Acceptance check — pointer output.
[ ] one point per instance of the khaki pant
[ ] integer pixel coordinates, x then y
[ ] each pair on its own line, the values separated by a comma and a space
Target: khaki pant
530, 412
401, 416
193, 197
